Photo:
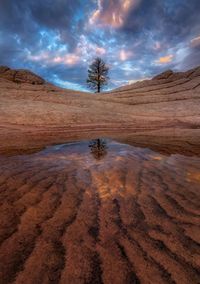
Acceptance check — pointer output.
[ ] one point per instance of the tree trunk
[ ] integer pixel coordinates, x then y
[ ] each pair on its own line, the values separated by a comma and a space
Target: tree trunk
98, 88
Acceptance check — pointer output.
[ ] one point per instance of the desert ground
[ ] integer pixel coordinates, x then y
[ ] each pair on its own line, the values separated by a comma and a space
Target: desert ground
163, 112
127, 214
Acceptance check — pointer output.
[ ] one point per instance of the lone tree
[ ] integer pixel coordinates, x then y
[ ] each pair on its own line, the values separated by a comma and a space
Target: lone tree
97, 75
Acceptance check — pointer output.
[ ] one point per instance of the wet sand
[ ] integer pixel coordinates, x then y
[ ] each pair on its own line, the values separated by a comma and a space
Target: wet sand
76, 214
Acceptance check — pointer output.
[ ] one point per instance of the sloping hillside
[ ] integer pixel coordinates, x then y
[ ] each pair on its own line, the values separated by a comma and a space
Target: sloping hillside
163, 112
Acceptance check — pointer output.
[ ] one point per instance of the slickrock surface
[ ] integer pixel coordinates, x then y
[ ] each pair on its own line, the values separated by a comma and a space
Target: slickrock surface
124, 215
20, 76
131, 216
160, 113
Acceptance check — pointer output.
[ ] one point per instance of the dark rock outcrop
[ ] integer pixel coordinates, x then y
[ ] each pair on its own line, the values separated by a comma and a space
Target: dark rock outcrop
163, 75
20, 76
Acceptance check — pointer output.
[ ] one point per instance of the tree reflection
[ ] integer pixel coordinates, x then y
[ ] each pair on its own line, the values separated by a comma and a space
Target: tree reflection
98, 148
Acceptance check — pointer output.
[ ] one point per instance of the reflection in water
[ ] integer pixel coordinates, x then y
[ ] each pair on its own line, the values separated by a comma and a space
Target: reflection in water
131, 217
98, 148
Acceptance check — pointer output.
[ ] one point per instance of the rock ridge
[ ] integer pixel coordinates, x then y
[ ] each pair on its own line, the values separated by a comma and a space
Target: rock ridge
20, 76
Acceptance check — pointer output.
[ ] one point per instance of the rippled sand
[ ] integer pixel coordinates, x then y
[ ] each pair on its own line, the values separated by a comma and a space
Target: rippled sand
77, 213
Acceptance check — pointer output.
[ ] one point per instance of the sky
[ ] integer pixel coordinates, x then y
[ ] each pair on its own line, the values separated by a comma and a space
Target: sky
138, 39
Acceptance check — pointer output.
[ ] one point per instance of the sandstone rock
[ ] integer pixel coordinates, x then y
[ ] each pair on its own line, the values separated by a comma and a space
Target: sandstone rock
3, 69
163, 75
24, 76
195, 72
20, 76
161, 112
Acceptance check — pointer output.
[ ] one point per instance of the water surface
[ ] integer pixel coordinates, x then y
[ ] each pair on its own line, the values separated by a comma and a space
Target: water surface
99, 212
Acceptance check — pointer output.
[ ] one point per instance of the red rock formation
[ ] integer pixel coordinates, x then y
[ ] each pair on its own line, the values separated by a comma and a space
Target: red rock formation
20, 76
164, 75
158, 112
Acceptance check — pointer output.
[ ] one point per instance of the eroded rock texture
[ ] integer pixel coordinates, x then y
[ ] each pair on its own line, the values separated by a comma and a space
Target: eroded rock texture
20, 76
163, 112
131, 217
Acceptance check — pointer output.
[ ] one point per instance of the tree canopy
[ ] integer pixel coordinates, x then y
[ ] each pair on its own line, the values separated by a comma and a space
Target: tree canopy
97, 75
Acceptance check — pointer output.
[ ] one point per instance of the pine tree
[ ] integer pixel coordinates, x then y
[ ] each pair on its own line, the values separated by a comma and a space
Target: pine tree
97, 75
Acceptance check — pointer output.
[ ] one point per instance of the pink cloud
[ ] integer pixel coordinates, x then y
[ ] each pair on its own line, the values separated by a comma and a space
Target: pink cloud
71, 59
68, 59
124, 55
157, 45
100, 50
112, 12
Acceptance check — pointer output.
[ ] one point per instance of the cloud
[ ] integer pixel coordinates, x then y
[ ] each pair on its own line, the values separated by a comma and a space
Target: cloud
125, 54
48, 58
112, 13
137, 38
100, 50
69, 85
192, 54
157, 45
165, 59
195, 42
